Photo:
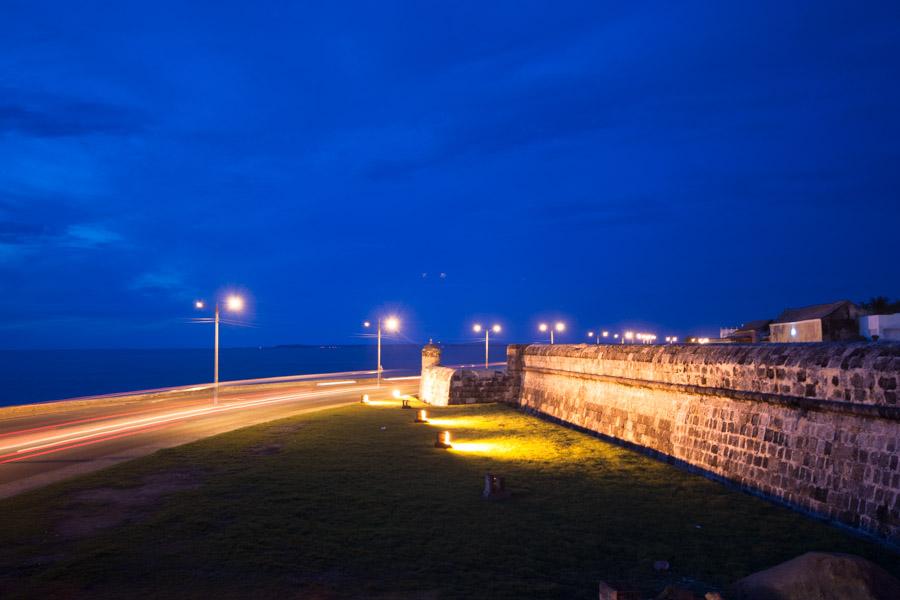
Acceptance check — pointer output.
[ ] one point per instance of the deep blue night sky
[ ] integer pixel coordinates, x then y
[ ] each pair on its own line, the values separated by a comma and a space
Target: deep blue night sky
660, 165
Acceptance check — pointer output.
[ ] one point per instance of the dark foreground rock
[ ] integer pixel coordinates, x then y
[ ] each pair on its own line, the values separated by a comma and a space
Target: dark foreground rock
819, 576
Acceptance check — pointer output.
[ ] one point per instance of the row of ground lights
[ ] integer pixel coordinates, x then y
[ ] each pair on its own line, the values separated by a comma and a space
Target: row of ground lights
494, 485
443, 437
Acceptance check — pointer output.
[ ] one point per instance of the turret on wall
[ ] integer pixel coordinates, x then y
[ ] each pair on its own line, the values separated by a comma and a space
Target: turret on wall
431, 355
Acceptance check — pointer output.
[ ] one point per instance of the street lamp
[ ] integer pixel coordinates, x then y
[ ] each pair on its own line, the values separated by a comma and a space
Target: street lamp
233, 303
487, 339
388, 324
604, 334
559, 326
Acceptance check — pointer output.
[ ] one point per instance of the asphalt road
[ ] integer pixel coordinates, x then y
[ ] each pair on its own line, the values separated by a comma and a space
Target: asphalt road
42, 444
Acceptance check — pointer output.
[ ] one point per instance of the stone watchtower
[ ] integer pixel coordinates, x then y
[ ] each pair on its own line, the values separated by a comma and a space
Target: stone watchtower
431, 355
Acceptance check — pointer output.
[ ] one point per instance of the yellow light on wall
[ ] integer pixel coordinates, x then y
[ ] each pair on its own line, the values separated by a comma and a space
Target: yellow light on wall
396, 394
364, 399
421, 416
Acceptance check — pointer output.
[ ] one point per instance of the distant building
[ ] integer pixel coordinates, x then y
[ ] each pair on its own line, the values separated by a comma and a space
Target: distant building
880, 327
818, 323
724, 332
751, 332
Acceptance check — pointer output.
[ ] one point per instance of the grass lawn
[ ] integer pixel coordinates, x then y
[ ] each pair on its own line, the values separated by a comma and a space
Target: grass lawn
356, 502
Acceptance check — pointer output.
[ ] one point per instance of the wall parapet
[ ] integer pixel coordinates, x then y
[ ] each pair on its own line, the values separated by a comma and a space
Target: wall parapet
861, 373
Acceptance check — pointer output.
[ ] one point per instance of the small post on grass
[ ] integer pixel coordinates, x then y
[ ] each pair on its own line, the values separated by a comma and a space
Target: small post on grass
494, 487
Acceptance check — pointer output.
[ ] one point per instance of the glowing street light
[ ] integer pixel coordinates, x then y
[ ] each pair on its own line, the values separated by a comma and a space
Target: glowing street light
233, 303
559, 327
389, 324
604, 334
487, 339
629, 335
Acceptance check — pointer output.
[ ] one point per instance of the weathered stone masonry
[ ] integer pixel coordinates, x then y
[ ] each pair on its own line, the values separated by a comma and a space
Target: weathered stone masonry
441, 386
816, 426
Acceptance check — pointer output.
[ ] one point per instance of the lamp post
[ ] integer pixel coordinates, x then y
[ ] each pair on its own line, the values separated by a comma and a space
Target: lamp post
559, 326
389, 324
233, 303
487, 339
604, 334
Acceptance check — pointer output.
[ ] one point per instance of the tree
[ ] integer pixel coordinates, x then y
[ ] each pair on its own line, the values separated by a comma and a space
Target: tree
880, 305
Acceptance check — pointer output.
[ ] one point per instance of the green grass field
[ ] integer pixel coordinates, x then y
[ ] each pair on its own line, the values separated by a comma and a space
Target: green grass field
356, 502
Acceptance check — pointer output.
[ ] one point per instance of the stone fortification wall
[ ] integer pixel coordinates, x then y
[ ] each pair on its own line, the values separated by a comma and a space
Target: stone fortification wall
434, 385
816, 426
443, 386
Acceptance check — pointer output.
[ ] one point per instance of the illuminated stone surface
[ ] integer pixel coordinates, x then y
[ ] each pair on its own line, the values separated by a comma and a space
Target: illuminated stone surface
815, 426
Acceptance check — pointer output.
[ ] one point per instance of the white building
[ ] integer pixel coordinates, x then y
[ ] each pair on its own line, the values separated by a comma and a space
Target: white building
724, 332
886, 327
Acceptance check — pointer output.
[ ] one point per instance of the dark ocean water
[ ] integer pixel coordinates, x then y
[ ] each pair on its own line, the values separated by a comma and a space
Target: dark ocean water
28, 376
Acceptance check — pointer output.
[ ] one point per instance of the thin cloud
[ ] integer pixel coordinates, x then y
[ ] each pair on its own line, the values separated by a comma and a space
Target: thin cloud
68, 118
90, 236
